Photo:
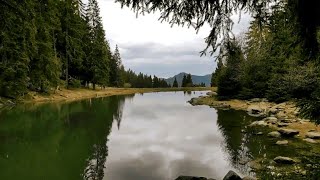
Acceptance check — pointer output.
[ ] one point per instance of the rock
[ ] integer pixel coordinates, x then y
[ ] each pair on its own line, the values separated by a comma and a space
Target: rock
288, 132
284, 160
283, 124
271, 120
191, 178
310, 141
194, 101
254, 110
286, 120
313, 135
284, 142
232, 176
281, 115
258, 123
249, 178
259, 133
274, 134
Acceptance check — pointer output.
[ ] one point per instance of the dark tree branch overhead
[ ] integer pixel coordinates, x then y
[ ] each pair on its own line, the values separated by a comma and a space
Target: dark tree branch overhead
217, 13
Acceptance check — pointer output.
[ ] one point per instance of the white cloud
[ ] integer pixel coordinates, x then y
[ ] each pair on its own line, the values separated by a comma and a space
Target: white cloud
152, 47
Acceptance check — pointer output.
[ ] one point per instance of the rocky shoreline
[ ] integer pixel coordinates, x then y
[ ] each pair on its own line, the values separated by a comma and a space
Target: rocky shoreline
280, 117
280, 124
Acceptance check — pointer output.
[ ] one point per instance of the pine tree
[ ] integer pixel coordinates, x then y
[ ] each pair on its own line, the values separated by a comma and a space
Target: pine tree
184, 81
175, 83
115, 68
99, 54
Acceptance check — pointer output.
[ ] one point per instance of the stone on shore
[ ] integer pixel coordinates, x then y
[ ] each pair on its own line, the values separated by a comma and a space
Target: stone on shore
255, 110
288, 132
284, 160
310, 141
258, 123
274, 134
284, 142
313, 135
271, 120
232, 176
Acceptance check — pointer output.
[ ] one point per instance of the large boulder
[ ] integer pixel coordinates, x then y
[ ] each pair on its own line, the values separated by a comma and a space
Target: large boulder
288, 132
274, 134
284, 160
232, 176
313, 135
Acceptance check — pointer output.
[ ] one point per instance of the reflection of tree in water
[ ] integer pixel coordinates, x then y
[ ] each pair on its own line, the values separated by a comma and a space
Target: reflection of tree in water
239, 145
97, 160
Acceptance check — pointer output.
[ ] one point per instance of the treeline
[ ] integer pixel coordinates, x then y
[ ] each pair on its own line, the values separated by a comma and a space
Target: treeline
271, 61
187, 82
47, 44
140, 80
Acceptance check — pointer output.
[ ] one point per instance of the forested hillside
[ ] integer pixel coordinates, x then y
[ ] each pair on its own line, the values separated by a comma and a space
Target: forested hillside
47, 44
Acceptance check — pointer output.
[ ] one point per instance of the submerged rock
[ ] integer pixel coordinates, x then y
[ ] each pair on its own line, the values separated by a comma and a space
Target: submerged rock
310, 141
232, 176
274, 134
313, 135
288, 132
284, 142
284, 160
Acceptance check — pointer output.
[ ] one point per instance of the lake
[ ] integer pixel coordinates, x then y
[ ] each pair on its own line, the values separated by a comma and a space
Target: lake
152, 136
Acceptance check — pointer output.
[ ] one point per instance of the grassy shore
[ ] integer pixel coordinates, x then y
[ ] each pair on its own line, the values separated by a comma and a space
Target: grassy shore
78, 94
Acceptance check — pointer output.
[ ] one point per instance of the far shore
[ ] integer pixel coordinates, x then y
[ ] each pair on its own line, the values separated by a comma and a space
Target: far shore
84, 93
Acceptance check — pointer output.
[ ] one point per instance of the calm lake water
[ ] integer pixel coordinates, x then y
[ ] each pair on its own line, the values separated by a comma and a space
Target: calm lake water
153, 136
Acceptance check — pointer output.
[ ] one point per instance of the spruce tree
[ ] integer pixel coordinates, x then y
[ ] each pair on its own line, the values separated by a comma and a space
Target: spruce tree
184, 81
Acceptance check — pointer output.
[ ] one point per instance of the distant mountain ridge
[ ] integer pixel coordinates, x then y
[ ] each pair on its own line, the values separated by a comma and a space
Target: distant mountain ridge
195, 79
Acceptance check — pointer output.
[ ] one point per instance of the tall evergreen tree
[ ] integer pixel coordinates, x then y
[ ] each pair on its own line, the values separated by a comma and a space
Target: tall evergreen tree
175, 83
184, 81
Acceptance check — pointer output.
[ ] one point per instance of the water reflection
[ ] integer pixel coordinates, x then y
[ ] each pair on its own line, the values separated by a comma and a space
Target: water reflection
156, 136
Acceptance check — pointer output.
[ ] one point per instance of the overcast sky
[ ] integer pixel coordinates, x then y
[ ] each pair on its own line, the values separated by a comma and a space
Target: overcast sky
149, 46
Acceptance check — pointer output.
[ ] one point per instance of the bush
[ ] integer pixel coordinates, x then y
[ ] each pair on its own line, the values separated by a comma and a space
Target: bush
74, 83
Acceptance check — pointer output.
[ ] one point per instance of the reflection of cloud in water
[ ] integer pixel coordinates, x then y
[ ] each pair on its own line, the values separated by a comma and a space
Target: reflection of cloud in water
162, 137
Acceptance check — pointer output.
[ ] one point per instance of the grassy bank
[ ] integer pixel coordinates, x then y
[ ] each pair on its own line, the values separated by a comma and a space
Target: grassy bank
77, 94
